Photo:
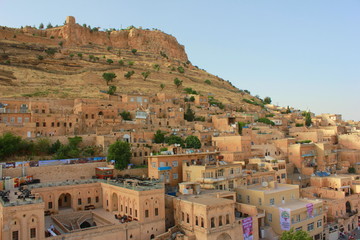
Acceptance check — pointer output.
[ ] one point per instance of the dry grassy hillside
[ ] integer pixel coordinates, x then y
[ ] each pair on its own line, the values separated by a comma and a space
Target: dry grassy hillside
26, 69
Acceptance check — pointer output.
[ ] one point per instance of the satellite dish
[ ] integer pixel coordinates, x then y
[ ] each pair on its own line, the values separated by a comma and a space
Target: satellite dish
265, 184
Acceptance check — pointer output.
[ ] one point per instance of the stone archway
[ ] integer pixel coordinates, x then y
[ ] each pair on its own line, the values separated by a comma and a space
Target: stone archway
224, 236
115, 202
64, 201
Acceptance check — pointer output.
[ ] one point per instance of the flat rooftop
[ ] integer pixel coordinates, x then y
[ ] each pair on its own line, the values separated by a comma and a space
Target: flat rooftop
184, 154
132, 184
209, 198
280, 187
296, 203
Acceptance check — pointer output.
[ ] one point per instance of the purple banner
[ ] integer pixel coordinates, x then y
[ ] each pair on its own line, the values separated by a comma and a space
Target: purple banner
247, 228
310, 209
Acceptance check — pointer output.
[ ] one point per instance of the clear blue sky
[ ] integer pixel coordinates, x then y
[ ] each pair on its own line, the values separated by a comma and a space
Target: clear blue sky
305, 54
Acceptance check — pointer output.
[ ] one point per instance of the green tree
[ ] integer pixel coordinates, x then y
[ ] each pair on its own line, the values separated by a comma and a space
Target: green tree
41, 26
178, 82
267, 100
91, 57
162, 86
189, 115
109, 61
42, 146
129, 74
121, 62
120, 152
108, 77
55, 147
173, 139
109, 48
49, 26
71, 55
240, 126
131, 63
9, 145
295, 235
351, 170
156, 67
145, 75
308, 120
125, 115
80, 55
74, 141
193, 142
40, 57
266, 121
180, 69
112, 90
159, 137
50, 51
134, 51
61, 43
192, 99
207, 81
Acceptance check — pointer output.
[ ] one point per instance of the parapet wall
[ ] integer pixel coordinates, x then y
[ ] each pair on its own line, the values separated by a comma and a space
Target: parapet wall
57, 173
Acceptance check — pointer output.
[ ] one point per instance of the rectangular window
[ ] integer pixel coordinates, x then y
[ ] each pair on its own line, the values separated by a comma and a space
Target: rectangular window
19, 120
153, 164
79, 201
175, 163
227, 219
239, 197
44, 124
146, 213
187, 218
310, 227
212, 222
272, 201
12, 119
53, 124
260, 201
319, 223
248, 199
32, 232
135, 213
50, 205
283, 175
298, 218
269, 217
96, 199
220, 221
202, 222
89, 199
15, 235
196, 221
182, 216
156, 211
175, 176
298, 229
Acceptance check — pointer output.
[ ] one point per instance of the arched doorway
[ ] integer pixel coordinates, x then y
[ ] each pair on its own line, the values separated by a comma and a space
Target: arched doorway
85, 224
224, 236
115, 202
64, 200
348, 207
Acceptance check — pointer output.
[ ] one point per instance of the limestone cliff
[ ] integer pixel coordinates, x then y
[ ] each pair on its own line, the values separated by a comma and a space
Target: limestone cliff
72, 34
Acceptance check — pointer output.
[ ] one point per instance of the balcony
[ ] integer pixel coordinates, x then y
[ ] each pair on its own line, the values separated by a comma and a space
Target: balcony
307, 218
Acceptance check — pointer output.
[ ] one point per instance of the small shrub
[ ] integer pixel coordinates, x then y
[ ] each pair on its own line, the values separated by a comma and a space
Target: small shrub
39, 57
207, 81
180, 69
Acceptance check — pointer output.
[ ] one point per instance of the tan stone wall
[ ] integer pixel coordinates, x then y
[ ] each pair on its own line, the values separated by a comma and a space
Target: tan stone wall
57, 173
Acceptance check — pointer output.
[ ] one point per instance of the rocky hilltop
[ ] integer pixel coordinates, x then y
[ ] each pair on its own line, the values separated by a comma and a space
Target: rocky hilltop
73, 34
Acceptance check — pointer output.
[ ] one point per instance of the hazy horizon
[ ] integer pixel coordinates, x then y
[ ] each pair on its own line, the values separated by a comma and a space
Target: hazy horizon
302, 54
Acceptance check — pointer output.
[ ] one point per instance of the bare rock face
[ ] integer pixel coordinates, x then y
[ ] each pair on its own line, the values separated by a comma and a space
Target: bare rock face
143, 40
